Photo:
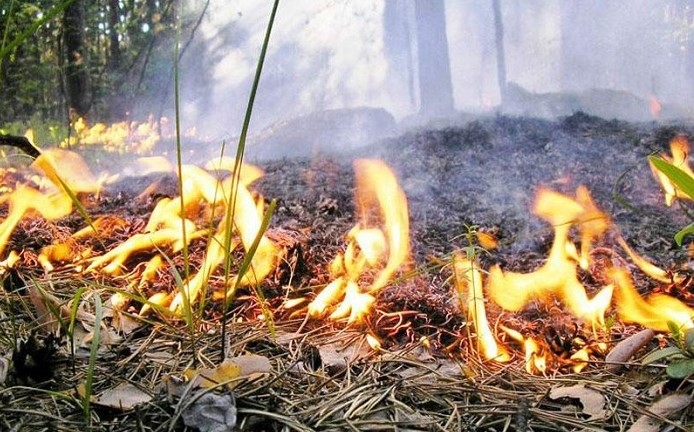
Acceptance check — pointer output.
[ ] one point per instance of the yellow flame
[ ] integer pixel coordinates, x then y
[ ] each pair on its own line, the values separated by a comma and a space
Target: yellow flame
647, 267
66, 169
380, 242
679, 147
653, 311
247, 223
557, 278
134, 137
25, 200
468, 283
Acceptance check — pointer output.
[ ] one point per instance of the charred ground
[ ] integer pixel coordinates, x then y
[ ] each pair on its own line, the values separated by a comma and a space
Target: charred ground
482, 172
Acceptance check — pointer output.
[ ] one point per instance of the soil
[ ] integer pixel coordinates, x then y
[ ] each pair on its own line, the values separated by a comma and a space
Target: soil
464, 175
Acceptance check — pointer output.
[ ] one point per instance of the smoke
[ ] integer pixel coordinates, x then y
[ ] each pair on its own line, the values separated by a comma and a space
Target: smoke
344, 54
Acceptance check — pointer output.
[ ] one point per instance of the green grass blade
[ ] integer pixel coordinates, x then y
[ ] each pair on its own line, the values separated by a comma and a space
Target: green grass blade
93, 354
240, 149
73, 320
679, 236
680, 178
179, 148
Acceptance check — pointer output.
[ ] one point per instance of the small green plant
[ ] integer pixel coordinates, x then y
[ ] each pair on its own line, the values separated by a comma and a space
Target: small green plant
683, 181
680, 356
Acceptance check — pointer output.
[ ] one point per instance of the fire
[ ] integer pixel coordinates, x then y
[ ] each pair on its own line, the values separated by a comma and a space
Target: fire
215, 205
133, 136
378, 243
558, 277
172, 225
67, 173
655, 311
655, 107
679, 147
468, 283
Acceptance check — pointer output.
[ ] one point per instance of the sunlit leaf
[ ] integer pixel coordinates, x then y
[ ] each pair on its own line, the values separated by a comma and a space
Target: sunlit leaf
679, 237
680, 178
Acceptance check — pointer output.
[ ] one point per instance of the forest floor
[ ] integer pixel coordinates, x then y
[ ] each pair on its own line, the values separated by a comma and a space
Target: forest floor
427, 374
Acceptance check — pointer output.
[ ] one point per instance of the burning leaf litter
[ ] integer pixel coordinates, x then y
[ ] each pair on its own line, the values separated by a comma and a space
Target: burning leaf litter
377, 251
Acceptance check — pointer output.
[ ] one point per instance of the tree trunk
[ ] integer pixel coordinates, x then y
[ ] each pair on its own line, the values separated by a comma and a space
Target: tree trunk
76, 68
398, 46
435, 86
114, 42
500, 51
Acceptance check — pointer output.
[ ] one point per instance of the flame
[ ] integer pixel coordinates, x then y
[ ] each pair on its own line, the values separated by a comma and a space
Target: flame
655, 107
172, 225
558, 276
68, 174
679, 147
124, 136
647, 267
379, 242
655, 311
468, 283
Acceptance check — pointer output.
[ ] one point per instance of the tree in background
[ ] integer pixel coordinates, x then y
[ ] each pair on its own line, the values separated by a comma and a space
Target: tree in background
95, 58
500, 51
77, 80
435, 85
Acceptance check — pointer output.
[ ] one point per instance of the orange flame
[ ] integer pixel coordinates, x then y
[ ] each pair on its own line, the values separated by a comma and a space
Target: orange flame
66, 171
655, 107
558, 276
380, 242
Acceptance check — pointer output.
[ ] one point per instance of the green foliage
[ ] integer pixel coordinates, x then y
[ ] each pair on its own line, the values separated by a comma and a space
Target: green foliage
93, 353
683, 181
46, 132
680, 356
127, 57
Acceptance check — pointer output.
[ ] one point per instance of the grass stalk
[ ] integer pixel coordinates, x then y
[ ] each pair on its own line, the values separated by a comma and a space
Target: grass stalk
237, 173
93, 354
181, 280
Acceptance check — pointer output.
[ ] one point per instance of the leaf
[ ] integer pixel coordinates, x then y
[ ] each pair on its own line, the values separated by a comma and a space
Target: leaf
593, 401
679, 236
122, 397
680, 178
229, 372
689, 339
665, 407
625, 349
660, 354
680, 368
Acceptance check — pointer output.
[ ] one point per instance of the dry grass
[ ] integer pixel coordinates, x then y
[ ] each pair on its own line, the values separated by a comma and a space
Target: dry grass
311, 388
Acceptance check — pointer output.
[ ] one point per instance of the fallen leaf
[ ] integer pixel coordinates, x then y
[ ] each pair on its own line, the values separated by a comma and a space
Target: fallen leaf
123, 397
666, 407
336, 357
229, 371
593, 401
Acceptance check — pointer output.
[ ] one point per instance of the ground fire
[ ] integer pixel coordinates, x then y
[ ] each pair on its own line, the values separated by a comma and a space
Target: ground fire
215, 206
